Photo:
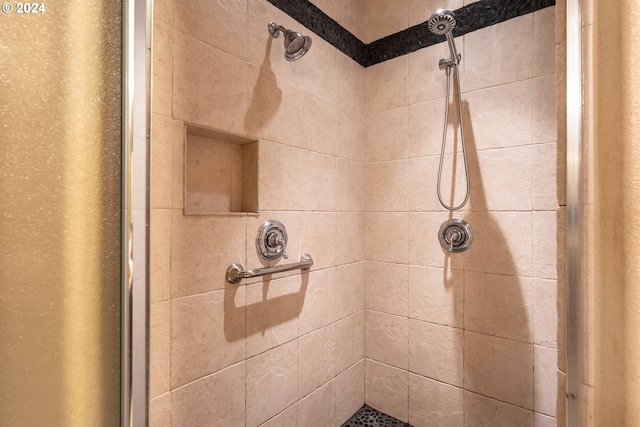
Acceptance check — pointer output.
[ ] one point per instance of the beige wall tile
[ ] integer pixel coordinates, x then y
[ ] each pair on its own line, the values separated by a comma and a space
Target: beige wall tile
481, 411
424, 247
436, 295
435, 351
161, 102
499, 368
314, 112
278, 176
318, 238
386, 338
273, 102
349, 392
561, 99
210, 86
434, 404
272, 383
272, 313
160, 411
385, 17
316, 301
163, 11
562, 400
317, 182
512, 232
350, 182
221, 25
177, 167
502, 179
544, 41
387, 288
348, 14
349, 90
509, 44
316, 359
349, 132
318, 408
159, 348
499, 305
207, 334
387, 186
544, 109
540, 420
312, 132
425, 128
349, 289
545, 254
545, 312
386, 389
545, 380
160, 255
197, 265
216, 400
386, 84
545, 188
161, 151
562, 321
421, 10
386, 135
349, 341
426, 80
386, 236
350, 237
561, 21
423, 178
286, 418
214, 171
500, 116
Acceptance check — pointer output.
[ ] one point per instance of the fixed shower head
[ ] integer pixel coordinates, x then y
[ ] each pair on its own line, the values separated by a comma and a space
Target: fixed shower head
442, 21
295, 44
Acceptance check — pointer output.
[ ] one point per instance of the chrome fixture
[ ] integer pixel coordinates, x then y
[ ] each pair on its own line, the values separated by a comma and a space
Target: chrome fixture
235, 272
455, 235
442, 22
295, 44
271, 241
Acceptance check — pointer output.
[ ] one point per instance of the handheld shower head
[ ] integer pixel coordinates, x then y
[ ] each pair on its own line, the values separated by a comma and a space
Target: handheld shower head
442, 22
295, 44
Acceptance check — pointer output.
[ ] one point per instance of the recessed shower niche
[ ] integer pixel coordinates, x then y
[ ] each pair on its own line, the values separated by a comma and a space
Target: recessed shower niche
220, 173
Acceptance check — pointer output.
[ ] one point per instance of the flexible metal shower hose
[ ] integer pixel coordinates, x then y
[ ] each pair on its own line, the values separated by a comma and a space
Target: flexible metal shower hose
444, 140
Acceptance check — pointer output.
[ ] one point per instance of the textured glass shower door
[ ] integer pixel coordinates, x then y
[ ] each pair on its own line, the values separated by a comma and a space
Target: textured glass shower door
61, 194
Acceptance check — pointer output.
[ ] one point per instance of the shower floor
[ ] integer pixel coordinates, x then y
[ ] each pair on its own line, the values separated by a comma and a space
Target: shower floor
369, 417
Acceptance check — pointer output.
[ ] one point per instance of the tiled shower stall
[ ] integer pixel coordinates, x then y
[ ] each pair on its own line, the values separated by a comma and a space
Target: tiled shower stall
347, 158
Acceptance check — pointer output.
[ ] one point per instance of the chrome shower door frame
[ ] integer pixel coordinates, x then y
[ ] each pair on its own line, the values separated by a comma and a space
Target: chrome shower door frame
574, 239
135, 213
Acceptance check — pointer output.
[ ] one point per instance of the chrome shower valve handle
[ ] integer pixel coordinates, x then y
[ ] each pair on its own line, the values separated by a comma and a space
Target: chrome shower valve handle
271, 241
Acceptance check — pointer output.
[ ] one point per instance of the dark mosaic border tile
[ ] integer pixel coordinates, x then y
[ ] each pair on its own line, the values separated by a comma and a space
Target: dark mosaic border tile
470, 18
369, 417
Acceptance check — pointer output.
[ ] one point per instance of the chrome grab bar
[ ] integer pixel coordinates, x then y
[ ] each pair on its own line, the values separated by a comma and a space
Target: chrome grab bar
236, 272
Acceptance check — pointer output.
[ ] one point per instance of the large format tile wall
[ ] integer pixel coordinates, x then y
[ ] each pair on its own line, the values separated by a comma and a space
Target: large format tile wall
467, 339
348, 161
283, 352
